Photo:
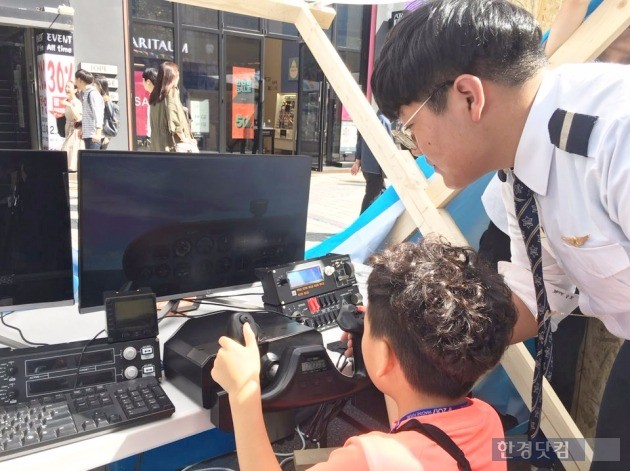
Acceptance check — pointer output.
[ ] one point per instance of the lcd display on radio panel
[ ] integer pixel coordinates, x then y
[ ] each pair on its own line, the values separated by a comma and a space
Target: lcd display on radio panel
63, 383
305, 276
68, 362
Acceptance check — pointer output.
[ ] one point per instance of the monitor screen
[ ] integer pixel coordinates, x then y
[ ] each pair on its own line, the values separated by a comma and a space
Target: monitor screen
35, 235
184, 224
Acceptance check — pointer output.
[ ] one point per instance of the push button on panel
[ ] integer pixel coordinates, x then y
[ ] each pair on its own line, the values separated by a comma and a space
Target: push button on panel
313, 305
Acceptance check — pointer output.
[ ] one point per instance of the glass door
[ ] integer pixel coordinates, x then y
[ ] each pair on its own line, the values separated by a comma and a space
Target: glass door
311, 106
242, 93
14, 102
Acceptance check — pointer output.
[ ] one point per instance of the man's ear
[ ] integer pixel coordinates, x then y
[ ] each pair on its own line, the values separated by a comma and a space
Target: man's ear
469, 88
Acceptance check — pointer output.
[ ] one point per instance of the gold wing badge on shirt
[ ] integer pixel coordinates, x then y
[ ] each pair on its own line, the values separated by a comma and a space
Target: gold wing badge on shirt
576, 241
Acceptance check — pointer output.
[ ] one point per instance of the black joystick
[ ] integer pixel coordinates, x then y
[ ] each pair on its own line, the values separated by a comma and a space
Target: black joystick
235, 326
350, 319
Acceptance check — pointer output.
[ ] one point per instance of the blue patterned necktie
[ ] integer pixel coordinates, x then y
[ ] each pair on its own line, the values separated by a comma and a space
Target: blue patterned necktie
528, 221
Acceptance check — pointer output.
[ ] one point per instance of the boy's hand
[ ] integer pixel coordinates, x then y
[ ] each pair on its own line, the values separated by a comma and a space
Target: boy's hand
345, 336
237, 368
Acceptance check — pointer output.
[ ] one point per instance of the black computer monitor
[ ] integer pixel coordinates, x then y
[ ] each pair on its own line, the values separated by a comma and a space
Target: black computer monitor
35, 235
186, 224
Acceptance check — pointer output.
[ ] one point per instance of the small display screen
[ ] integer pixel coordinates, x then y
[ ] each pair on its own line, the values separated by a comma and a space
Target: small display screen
53, 385
313, 365
65, 362
305, 276
135, 313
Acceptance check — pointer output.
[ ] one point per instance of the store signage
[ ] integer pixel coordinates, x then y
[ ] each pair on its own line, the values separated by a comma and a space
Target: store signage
200, 115
396, 17
243, 102
152, 44
55, 67
104, 69
54, 42
112, 83
348, 137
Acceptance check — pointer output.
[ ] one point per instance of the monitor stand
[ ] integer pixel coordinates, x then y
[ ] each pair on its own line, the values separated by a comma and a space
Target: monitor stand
186, 305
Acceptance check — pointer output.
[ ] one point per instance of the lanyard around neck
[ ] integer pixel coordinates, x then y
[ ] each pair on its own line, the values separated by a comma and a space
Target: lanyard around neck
428, 411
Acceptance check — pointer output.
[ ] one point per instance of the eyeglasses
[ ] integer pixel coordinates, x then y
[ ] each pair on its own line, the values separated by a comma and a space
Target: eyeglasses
401, 132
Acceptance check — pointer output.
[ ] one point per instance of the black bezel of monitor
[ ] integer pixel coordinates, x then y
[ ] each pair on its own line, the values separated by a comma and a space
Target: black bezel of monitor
49, 237
300, 167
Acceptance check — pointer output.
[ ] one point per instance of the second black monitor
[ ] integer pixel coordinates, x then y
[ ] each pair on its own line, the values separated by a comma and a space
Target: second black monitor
183, 224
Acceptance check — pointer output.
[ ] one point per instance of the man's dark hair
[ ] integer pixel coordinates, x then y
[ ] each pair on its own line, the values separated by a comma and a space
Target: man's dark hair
150, 74
431, 46
446, 315
84, 75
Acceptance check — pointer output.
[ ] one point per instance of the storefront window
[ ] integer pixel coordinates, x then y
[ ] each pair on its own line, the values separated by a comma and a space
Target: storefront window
348, 24
233, 20
160, 10
286, 29
152, 45
352, 59
196, 16
280, 109
242, 93
200, 85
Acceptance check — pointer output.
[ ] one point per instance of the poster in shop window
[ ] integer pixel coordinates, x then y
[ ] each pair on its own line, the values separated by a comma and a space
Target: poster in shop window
55, 67
243, 102
143, 124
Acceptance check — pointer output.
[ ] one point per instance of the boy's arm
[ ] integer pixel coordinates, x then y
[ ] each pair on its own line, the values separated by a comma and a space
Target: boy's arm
237, 370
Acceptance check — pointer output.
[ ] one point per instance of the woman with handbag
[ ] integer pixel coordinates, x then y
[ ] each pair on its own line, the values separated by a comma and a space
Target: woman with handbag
169, 126
73, 115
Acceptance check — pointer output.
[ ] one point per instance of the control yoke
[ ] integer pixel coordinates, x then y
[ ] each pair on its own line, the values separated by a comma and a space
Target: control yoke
304, 374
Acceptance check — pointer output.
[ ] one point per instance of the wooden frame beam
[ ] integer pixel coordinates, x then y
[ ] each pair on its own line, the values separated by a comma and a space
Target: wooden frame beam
278, 10
597, 32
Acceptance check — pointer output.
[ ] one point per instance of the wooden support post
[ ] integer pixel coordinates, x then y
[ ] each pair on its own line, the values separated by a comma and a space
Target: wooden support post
600, 29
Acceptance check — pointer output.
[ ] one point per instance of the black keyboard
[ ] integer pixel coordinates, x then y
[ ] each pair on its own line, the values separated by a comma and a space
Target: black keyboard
55, 420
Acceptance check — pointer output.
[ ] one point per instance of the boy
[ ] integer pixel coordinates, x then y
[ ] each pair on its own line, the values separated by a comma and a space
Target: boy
437, 320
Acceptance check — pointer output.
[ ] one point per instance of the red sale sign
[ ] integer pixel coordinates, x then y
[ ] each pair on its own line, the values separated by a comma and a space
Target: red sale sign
143, 125
55, 67
243, 102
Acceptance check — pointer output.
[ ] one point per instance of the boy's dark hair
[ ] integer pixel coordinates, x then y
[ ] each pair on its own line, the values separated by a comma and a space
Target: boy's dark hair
431, 46
150, 74
84, 75
447, 316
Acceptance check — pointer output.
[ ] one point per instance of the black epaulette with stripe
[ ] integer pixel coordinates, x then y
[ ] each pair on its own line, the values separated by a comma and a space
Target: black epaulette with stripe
570, 132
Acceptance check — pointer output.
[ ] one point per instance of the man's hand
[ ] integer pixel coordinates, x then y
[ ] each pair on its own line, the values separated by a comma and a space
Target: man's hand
237, 367
355, 167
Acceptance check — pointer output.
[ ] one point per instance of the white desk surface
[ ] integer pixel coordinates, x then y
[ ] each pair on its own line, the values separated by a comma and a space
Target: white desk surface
65, 324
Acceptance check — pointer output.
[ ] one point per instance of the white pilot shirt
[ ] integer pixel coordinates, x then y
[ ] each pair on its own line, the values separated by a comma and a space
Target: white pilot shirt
578, 196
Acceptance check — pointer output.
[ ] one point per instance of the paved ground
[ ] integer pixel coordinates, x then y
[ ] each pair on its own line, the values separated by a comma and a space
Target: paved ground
335, 202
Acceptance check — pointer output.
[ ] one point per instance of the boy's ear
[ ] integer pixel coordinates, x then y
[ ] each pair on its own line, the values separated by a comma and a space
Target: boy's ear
469, 88
385, 358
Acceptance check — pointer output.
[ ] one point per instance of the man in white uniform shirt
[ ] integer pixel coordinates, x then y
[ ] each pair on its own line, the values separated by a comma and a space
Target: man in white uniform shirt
469, 84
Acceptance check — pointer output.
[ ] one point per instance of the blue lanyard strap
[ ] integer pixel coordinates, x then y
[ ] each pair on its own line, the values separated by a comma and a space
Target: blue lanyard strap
428, 411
